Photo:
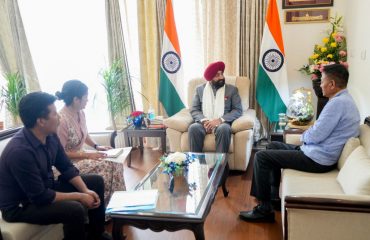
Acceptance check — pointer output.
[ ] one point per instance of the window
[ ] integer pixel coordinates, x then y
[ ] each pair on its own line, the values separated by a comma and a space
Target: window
68, 40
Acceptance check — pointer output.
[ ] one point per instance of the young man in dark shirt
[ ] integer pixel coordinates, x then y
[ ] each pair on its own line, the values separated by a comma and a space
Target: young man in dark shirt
28, 191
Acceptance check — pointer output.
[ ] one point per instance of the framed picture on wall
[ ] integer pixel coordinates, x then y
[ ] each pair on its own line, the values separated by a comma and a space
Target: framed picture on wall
306, 3
307, 15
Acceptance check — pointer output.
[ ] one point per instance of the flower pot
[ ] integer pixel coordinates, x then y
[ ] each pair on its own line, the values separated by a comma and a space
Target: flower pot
138, 122
321, 100
180, 181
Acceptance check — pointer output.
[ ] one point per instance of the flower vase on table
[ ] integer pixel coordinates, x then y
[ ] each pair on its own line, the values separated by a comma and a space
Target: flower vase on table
138, 122
321, 100
176, 165
136, 118
332, 50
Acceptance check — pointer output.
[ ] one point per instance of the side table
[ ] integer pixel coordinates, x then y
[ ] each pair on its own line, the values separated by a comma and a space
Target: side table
281, 135
131, 132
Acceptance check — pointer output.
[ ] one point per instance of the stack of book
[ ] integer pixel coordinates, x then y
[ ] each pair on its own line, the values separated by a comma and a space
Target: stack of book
156, 123
132, 201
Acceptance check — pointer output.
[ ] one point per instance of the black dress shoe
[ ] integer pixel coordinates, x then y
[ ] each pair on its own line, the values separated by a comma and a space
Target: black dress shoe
276, 204
257, 215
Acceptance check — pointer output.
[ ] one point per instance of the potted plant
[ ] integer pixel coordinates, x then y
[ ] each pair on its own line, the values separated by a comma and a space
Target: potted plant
117, 90
12, 93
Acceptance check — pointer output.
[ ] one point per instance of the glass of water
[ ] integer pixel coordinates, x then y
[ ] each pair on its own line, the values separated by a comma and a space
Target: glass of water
282, 121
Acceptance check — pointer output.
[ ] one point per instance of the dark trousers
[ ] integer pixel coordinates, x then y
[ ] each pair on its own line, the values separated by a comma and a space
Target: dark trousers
268, 164
197, 133
72, 214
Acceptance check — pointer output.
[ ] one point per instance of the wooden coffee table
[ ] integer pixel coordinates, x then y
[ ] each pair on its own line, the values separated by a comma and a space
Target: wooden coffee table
189, 204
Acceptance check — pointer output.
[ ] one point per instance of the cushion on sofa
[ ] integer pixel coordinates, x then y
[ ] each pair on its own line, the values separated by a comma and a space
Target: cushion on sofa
365, 137
348, 148
296, 182
354, 177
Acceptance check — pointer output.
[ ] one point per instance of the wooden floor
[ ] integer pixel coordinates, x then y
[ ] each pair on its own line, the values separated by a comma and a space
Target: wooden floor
222, 222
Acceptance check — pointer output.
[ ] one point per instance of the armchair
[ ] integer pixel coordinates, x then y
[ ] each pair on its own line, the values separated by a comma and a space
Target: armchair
242, 128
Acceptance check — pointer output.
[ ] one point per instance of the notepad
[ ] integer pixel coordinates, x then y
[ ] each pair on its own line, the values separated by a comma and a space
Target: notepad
113, 153
140, 200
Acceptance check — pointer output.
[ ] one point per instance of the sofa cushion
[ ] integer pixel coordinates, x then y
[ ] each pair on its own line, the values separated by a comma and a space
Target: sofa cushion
365, 137
348, 148
297, 183
354, 177
26, 231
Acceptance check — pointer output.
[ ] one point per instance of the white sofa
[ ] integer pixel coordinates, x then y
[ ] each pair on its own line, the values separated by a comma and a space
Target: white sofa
333, 205
242, 128
26, 231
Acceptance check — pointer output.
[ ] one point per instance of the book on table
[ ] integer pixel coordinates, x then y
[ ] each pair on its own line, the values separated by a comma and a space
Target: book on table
126, 201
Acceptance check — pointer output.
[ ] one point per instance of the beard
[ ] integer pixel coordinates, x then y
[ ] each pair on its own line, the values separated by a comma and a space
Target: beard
219, 84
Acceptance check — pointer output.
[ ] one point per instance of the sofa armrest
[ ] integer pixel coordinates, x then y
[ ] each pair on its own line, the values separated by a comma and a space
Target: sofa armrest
244, 122
293, 136
315, 216
332, 202
105, 138
180, 121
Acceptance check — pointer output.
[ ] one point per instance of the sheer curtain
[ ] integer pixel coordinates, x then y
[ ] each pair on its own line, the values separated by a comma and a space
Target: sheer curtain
68, 40
117, 51
15, 54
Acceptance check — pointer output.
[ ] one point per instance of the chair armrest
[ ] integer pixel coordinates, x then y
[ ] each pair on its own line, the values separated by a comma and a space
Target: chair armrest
105, 138
180, 121
244, 122
333, 202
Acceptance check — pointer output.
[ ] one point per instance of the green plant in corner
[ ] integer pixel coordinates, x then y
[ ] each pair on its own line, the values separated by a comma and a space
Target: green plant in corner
12, 93
117, 90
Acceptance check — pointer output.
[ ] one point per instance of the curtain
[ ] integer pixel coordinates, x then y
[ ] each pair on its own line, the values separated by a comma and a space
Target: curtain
221, 20
116, 46
15, 55
252, 20
149, 51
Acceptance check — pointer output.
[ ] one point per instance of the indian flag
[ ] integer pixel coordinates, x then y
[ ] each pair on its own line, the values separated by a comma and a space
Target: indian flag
171, 89
272, 84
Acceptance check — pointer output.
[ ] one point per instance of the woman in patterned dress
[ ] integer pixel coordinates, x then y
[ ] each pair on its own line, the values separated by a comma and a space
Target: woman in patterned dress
73, 134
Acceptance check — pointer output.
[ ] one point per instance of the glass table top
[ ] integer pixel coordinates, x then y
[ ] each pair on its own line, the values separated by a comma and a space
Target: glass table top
191, 193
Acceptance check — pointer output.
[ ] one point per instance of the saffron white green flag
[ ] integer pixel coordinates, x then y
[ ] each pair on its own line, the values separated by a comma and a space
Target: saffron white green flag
171, 89
272, 84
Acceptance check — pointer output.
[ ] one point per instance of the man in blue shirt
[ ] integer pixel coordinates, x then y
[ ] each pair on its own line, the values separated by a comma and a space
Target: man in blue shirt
28, 191
322, 145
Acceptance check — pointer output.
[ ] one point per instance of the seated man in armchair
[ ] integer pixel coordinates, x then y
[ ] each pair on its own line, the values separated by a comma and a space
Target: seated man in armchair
215, 106
322, 145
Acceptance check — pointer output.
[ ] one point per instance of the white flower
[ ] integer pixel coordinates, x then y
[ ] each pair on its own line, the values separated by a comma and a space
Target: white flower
176, 157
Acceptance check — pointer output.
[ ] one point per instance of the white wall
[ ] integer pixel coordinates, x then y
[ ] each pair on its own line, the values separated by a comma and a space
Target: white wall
357, 26
299, 41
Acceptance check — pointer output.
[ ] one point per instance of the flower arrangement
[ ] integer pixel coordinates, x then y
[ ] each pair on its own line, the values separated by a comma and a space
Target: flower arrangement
333, 50
136, 117
175, 163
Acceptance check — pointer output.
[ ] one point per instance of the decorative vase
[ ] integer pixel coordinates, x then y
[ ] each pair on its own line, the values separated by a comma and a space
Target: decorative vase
181, 183
138, 121
321, 100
